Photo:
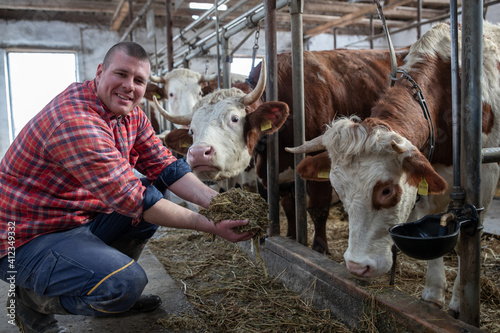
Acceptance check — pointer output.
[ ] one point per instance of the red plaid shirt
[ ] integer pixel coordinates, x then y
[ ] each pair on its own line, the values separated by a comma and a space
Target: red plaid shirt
73, 159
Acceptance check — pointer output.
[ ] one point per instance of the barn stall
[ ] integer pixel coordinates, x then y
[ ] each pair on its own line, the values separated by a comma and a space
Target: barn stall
193, 46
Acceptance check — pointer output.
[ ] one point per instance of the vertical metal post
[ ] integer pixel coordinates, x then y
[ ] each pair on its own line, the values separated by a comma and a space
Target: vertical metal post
457, 195
296, 11
372, 31
419, 18
226, 66
470, 240
273, 195
218, 41
169, 35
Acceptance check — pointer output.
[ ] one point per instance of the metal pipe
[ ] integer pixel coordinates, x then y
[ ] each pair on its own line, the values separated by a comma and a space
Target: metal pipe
232, 29
169, 33
139, 16
470, 241
490, 155
201, 19
458, 194
273, 195
417, 24
296, 11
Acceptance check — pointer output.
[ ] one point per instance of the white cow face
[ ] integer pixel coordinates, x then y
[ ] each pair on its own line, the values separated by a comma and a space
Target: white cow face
182, 89
219, 150
376, 195
375, 173
183, 92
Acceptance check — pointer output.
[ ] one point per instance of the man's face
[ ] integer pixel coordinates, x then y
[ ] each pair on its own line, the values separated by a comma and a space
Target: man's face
122, 85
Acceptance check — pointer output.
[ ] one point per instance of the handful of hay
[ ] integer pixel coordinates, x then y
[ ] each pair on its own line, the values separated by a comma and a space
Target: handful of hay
237, 204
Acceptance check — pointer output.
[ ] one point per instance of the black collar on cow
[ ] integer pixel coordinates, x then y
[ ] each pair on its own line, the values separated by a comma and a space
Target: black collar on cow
423, 104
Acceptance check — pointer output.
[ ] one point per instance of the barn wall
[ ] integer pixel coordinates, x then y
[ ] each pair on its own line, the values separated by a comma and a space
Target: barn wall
92, 42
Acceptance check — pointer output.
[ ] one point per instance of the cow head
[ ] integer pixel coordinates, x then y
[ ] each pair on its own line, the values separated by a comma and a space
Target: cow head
225, 127
181, 87
375, 172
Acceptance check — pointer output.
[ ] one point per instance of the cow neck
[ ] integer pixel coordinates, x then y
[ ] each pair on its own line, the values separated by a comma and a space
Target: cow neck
419, 96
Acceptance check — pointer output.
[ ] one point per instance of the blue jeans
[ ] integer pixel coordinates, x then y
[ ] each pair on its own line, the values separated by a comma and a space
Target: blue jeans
90, 277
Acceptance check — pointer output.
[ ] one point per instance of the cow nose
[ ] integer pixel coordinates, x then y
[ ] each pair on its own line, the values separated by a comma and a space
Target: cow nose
200, 155
358, 269
201, 151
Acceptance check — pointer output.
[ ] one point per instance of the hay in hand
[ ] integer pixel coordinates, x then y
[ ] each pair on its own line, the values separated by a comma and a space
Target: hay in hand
237, 204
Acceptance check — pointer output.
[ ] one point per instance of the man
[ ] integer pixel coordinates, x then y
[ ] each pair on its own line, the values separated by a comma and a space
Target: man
74, 217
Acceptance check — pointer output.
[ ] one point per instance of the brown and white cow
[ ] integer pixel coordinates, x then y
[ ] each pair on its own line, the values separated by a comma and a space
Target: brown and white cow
377, 164
227, 134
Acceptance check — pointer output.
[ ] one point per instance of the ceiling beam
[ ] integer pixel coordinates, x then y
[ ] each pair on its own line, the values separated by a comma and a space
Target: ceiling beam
352, 18
119, 15
59, 6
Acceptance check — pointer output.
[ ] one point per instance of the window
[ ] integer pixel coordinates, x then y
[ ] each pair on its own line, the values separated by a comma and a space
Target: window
243, 66
34, 79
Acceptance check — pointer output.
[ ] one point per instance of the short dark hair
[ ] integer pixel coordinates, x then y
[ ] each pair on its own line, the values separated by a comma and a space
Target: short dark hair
129, 48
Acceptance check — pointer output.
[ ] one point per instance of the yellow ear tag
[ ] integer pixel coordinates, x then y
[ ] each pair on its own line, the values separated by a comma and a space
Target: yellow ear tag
157, 95
423, 187
324, 174
266, 125
185, 144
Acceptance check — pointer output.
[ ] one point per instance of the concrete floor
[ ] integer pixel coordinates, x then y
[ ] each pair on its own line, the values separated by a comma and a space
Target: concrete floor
160, 283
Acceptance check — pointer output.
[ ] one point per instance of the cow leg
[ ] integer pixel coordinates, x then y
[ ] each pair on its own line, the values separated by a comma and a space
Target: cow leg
454, 306
320, 201
435, 282
288, 204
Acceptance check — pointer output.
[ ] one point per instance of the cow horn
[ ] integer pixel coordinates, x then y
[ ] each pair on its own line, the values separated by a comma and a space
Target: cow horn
156, 79
179, 120
252, 97
310, 146
206, 78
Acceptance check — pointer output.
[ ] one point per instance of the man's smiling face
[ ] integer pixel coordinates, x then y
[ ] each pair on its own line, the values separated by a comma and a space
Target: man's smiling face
122, 85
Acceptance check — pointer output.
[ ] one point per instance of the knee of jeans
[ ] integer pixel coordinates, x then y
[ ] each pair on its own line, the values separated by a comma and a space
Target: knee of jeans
120, 291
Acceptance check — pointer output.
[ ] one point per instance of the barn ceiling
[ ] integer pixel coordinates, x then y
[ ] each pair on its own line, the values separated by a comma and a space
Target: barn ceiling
352, 16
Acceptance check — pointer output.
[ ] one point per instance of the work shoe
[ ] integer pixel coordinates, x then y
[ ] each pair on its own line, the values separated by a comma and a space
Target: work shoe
27, 316
146, 303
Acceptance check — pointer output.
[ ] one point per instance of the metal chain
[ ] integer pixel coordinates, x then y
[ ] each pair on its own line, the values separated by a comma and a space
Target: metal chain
207, 62
255, 45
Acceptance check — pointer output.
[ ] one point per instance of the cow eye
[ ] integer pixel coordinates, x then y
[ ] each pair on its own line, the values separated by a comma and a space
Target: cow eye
171, 94
387, 191
190, 131
234, 119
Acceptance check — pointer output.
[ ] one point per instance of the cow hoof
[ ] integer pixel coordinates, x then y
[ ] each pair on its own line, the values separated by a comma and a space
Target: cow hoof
435, 303
318, 248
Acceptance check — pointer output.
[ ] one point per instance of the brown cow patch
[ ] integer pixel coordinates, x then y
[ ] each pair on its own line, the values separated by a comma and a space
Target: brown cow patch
386, 195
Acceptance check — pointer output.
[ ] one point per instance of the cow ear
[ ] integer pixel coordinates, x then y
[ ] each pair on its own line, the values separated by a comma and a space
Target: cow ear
315, 168
153, 89
267, 119
178, 140
417, 167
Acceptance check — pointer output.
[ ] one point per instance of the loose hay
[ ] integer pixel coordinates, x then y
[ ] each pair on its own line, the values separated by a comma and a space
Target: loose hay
229, 292
237, 204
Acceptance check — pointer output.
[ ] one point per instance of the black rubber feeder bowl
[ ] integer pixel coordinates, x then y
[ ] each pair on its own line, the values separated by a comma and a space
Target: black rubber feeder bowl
426, 238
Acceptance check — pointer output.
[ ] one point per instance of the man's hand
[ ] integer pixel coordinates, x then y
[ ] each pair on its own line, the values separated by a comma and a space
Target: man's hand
225, 230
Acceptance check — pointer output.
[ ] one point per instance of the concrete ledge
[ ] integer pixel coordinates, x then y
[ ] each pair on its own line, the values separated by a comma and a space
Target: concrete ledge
328, 285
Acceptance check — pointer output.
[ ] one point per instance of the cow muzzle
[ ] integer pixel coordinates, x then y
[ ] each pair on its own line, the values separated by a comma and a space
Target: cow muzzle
200, 158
